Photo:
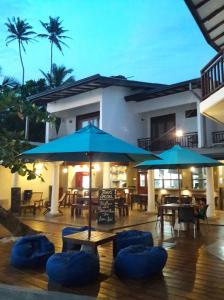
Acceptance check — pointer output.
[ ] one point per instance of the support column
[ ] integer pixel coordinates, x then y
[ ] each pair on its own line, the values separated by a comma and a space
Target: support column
15, 200
47, 132
210, 196
55, 189
106, 175
15, 180
151, 192
200, 127
70, 176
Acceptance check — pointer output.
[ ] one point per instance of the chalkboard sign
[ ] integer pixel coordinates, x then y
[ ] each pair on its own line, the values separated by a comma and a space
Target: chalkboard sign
106, 211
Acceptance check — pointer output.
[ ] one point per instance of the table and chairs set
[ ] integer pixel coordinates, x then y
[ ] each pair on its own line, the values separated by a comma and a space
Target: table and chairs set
183, 210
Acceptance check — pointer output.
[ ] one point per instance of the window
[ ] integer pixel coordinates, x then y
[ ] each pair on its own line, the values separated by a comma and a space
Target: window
84, 120
118, 175
191, 113
166, 179
142, 182
198, 178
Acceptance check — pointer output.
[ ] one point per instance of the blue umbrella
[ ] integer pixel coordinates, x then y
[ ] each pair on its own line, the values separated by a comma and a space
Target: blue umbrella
179, 158
88, 144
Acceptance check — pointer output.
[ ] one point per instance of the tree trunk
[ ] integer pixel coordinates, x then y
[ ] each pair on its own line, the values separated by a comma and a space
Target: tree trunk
14, 225
21, 60
51, 59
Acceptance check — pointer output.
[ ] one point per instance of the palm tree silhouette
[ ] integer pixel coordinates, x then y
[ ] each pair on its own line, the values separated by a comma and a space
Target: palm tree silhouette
21, 31
58, 76
55, 34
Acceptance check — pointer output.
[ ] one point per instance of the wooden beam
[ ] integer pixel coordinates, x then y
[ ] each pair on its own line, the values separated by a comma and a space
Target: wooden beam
201, 4
216, 26
221, 45
213, 14
218, 36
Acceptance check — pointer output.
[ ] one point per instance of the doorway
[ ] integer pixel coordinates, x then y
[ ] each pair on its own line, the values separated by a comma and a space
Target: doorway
82, 180
163, 129
142, 183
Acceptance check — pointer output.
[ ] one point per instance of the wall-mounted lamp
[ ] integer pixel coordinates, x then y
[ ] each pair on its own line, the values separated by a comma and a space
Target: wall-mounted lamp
179, 133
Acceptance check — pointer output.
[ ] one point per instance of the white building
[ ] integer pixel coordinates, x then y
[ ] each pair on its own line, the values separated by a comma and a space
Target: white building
149, 115
145, 114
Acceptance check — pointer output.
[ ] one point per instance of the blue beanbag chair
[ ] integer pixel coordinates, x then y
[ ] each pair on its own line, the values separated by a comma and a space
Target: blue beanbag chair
69, 245
31, 251
132, 237
73, 268
140, 262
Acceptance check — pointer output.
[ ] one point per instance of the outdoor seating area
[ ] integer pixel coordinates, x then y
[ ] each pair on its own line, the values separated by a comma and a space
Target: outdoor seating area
79, 262
174, 282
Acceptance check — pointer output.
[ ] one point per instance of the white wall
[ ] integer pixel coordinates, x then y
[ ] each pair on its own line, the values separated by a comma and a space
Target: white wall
128, 120
68, 117
118, 117
75, 101
185, 124
164, 102
36, 185
68, 108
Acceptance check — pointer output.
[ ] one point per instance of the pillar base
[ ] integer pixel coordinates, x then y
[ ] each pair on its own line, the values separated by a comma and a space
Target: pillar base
211, 214
53, 214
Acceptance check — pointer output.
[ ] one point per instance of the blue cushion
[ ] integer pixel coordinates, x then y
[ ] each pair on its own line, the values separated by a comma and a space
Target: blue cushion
69, 245
140, 262
73, 268
132, 237
31, 251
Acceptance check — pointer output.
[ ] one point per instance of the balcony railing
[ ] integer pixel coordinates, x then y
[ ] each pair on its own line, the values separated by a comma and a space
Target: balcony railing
212, 76
189, 140
218, 137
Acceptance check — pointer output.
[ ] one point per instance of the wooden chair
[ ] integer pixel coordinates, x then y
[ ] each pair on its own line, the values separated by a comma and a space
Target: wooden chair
122, 207
37, 199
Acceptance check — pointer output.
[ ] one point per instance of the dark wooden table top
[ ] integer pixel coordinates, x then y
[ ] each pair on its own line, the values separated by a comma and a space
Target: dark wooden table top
97, 237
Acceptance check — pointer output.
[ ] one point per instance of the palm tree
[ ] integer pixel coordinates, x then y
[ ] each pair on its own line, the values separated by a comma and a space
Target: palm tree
21, 31
8, 83
58, 76
55, 34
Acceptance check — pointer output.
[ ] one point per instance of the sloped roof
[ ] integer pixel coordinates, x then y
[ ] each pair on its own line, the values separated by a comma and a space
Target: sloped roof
165, 90
88, 84
209, 15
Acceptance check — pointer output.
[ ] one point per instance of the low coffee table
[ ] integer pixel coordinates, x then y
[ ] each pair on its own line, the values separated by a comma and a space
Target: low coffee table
97, 238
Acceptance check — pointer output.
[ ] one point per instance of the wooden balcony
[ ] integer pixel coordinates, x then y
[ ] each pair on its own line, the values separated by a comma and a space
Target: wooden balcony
189, 140
218, 137
212, 76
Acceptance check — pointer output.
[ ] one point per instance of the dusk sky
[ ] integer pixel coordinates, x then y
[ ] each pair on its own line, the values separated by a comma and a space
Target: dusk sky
147, 40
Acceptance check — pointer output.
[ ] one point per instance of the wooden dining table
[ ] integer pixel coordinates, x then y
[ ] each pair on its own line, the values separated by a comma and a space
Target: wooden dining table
174, 207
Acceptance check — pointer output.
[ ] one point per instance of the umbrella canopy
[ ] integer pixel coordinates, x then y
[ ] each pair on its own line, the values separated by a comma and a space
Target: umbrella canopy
88, 140
179, 158
88, 144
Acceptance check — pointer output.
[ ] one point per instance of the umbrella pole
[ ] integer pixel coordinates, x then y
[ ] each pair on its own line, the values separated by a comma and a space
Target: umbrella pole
179, 187
90, 195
